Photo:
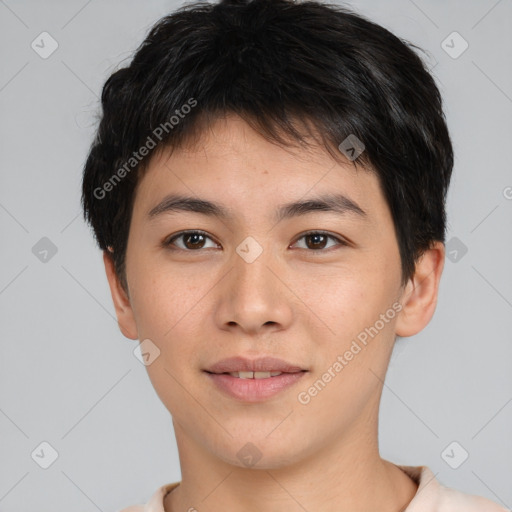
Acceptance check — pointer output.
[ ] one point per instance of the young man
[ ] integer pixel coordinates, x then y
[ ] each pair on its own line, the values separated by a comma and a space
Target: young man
268, 186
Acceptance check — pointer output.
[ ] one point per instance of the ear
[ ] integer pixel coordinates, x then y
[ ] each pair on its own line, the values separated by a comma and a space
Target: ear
124, 312
419, 297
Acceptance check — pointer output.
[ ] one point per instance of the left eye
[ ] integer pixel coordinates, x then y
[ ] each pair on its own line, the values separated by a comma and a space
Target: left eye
317, 240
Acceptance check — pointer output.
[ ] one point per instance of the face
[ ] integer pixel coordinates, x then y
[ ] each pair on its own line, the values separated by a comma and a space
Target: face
317, 288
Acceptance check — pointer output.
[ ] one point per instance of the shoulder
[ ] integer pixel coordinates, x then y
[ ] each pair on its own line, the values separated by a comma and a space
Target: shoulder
452, 499
155, 502
433, 496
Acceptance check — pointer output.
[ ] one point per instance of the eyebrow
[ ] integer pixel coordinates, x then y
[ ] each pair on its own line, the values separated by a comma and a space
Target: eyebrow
335, 203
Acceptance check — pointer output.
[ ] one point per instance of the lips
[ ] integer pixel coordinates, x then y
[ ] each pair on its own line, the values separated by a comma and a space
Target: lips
254, 390
258, 367
254, 375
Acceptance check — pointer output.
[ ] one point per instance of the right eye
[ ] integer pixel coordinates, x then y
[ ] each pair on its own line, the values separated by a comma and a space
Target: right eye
192, 240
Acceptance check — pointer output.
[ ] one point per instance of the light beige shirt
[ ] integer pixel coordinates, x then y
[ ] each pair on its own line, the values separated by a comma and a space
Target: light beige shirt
431, 496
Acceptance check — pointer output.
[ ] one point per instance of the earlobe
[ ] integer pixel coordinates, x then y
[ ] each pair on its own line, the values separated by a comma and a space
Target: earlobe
419, 298
124, 312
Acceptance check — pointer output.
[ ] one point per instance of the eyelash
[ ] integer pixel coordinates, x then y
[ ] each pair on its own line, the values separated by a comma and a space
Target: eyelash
169, 241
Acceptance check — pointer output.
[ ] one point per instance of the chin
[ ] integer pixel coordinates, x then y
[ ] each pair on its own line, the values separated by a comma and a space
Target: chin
258, 452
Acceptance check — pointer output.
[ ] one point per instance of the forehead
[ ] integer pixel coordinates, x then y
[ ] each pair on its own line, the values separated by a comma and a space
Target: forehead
232, 164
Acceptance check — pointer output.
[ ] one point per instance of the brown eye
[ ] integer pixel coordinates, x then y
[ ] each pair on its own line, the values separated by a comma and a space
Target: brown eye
317, 240
191, 240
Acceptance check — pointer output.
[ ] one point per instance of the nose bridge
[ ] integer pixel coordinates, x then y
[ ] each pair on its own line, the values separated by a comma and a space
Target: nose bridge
251, 263
252, 295
251, 273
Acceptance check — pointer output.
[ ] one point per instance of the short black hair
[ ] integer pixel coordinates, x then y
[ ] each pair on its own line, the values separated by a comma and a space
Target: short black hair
294, 71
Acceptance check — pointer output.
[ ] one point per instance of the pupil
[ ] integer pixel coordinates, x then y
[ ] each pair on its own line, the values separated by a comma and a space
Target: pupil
316, 238
194, 237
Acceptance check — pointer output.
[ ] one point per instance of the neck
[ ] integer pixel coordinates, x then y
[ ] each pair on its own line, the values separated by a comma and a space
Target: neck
345, 476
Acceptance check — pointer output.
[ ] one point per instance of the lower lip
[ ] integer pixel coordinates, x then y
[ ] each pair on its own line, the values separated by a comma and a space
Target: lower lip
254, 390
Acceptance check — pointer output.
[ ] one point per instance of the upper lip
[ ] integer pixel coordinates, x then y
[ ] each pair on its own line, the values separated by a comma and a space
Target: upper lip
262, 364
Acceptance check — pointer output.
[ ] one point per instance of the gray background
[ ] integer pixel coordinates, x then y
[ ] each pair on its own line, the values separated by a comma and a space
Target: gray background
68, 376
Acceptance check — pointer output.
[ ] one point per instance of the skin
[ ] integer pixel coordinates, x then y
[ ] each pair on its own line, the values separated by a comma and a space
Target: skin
298, 303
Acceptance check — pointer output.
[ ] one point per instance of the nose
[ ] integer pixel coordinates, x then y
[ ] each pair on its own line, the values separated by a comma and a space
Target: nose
254, 296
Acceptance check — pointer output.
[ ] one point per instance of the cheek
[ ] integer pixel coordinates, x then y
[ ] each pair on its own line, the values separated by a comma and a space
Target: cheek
161, 293
357, 351
352, 318
168, 311
346, 299
166, 306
